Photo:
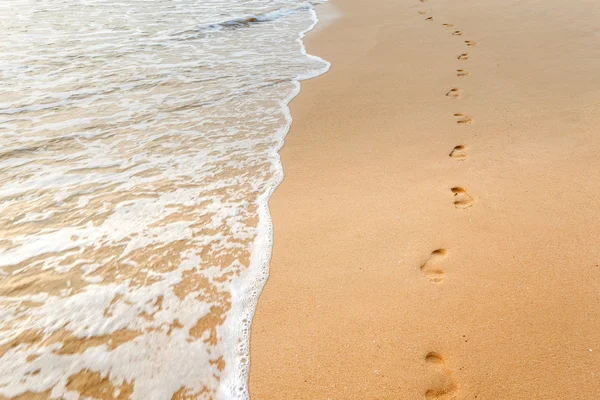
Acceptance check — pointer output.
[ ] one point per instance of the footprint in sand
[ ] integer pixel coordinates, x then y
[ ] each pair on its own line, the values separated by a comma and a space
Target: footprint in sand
432, 269
442, 385
463, 119
429, 19
471, 43
453, 93
463, 56
462, 72
457, 33
459, 152
462, 199
448, 25
422, 12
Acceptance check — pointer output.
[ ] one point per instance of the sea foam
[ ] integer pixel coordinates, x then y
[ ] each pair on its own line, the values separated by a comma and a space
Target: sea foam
139, 149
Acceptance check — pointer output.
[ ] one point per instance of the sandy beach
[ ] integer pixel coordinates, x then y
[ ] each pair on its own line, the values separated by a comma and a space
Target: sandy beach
436, 234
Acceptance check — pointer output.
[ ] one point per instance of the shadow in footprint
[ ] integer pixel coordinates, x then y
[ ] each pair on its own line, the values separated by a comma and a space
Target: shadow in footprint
462, 72
453, 93
432, 269
443, 385
457, 33
462, 199
429, 19
459, 152
471, 43
463, 56
463, 119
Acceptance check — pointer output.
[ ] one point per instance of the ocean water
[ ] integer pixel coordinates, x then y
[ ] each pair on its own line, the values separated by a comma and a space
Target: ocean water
138, 149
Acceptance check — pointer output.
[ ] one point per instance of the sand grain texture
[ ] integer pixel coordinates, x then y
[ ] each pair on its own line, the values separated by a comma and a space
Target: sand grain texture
369, 194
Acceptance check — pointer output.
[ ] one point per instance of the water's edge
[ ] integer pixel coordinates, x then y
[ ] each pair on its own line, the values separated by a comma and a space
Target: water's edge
246, 289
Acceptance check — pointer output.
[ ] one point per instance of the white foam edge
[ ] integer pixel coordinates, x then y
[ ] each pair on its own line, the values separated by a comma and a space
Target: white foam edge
246, 288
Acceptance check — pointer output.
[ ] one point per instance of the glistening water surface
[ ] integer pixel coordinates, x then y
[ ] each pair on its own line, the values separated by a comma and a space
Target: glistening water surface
138, 148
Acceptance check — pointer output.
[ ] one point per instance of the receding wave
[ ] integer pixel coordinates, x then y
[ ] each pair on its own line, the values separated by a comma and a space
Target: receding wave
247, 20
139, 149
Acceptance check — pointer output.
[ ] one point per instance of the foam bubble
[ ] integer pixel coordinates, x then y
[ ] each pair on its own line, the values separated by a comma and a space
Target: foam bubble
139, 149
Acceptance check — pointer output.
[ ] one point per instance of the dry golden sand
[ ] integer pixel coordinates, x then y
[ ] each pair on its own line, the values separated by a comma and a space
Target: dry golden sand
407, 268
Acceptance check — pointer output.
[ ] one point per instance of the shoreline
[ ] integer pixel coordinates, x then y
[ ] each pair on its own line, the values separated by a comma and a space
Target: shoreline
399, 271
236, 383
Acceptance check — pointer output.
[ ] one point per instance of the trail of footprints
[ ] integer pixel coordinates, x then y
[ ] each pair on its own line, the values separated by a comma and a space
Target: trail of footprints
461, 198
442, 384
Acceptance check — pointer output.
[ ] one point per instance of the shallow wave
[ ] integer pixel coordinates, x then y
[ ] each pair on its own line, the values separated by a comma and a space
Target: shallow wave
135, 170
247, 20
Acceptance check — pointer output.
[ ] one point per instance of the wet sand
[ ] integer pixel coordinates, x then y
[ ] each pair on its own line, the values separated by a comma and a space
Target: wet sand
402, 272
